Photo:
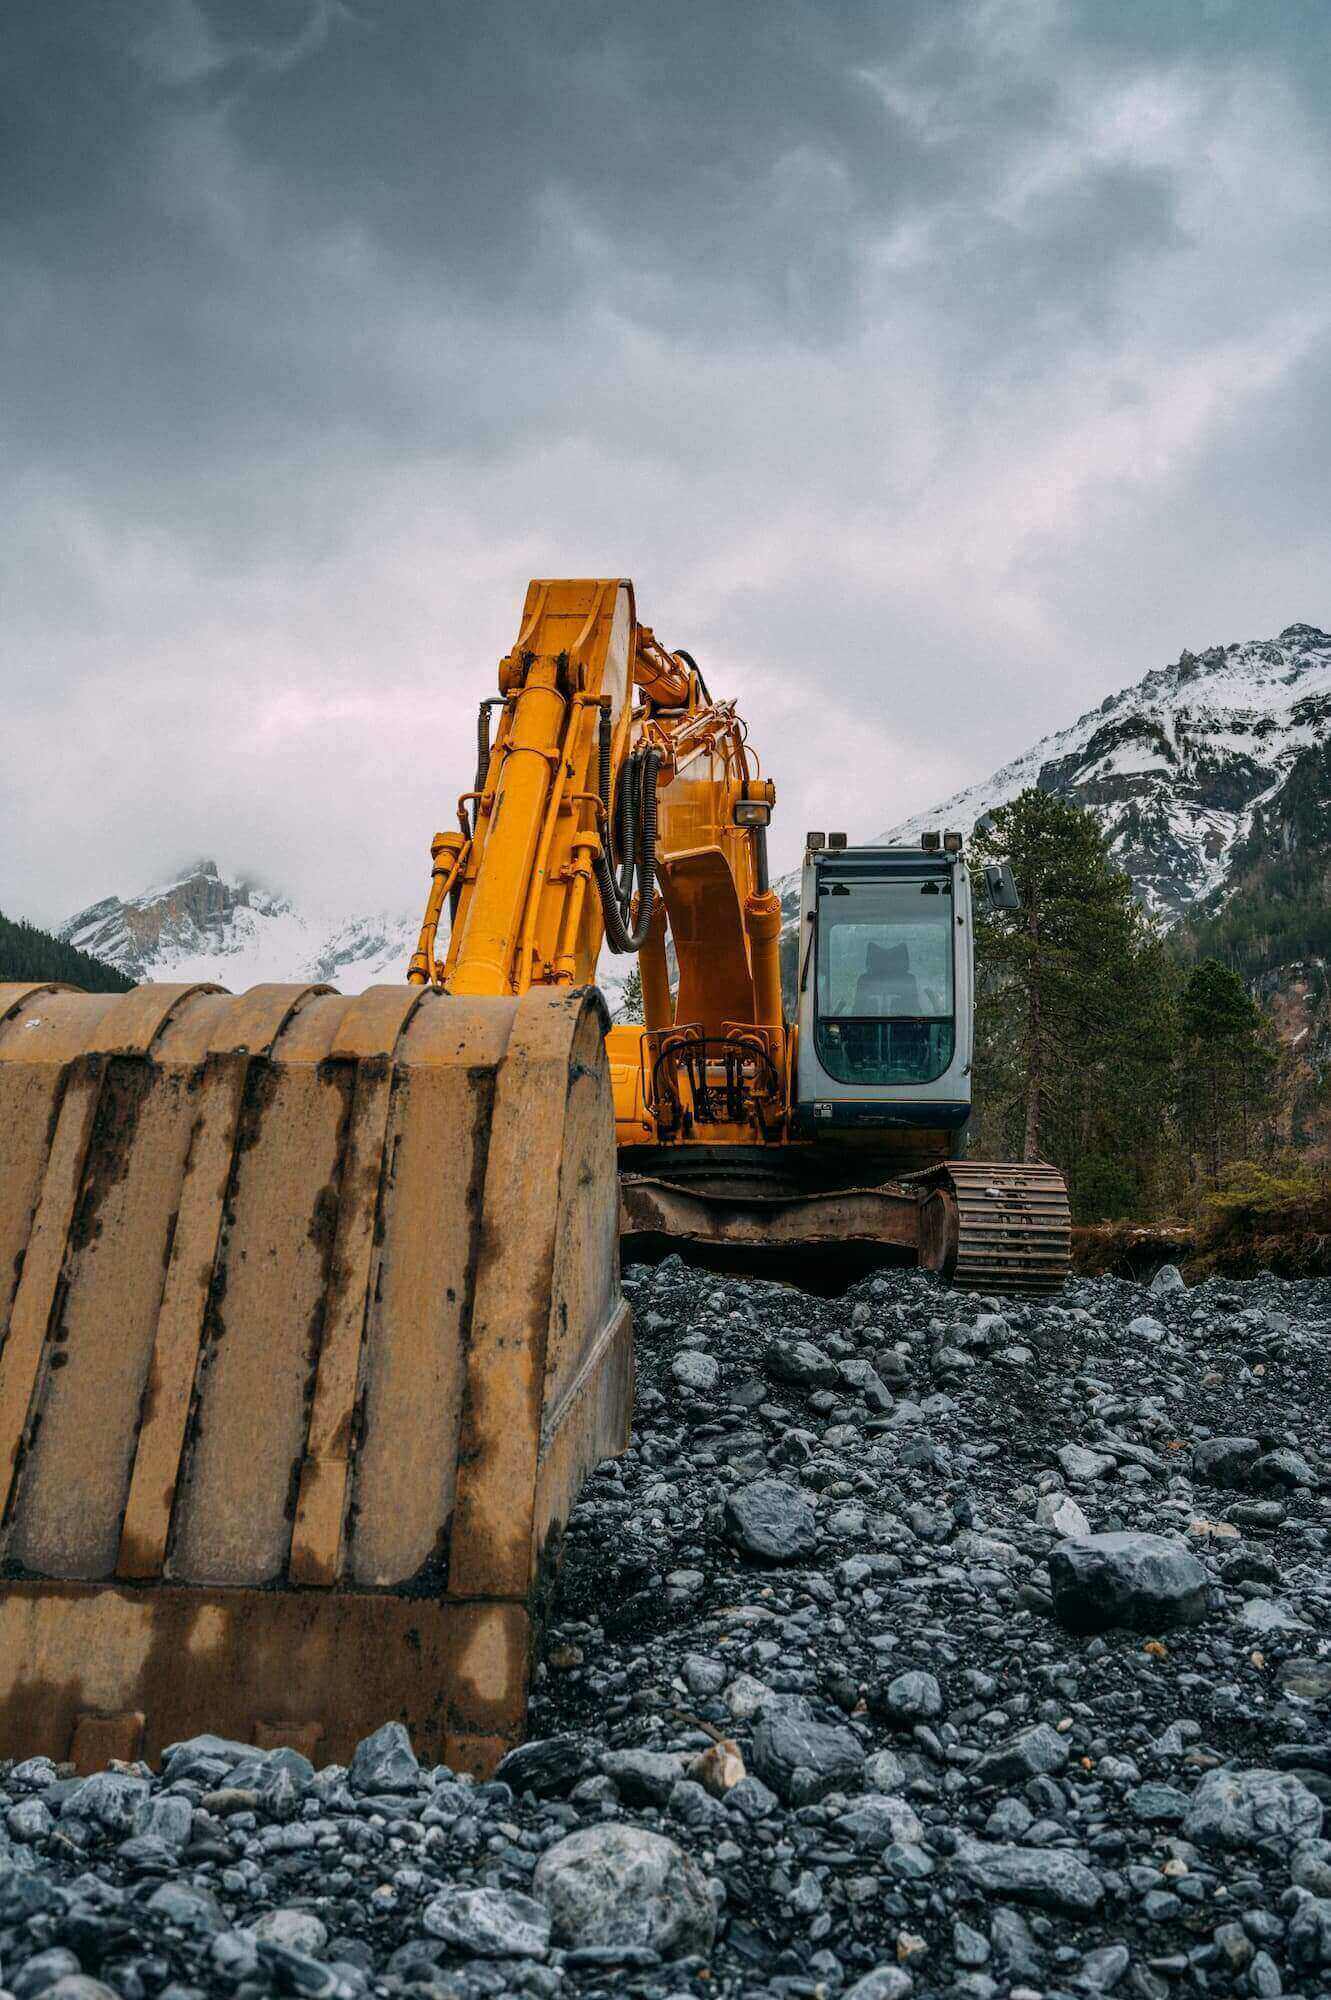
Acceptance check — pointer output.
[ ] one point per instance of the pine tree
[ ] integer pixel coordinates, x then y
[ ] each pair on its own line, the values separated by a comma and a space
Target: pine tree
1076, 1013
1227, 1067
29, 953
630, 998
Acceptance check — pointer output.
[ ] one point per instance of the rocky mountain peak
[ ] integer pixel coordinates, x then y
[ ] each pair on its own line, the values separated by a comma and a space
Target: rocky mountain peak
1193, 771
202, 924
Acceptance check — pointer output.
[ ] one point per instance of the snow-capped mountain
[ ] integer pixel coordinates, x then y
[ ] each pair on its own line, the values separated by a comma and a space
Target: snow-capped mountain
1191, 772
236, 933
205, 926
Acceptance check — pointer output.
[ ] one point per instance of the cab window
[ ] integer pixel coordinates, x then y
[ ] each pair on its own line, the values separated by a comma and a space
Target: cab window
884, 992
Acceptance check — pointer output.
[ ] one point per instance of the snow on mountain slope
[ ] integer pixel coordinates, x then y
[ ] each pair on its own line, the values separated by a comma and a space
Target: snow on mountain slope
206, 926
1178, 767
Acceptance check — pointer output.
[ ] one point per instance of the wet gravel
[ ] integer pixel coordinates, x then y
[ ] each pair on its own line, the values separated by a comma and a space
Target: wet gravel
920, 1646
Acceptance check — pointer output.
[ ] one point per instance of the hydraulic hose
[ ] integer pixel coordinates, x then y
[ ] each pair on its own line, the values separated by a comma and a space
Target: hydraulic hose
634, 817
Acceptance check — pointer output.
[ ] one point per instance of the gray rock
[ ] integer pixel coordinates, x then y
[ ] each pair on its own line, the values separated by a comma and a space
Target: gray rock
295, 1930
703, 1676
1061, 1512
1168, 1278
1047, 1877
752, 1798
547, 1765
489, 1923
385, 1762
188, 1906
970, 1947
40, 1972
800, 1757
1144, 1582
745, 1696
1224, 1461
696, 1809
108, 1799
1309, 1937
621, 1885
877, 1819
799, 1362
909, 1698
1078, 1463
1286, 1469
696, 1371
643, 1777
884, 1771
771, 1522
1310, 1866
885, 1982
31, 1819
1269, 1614
1032, 1753
1233, 1809
1309, 1679
1101, 1970
1015, 1950
213, 1749
167, 1817
235, 1955
1158, 1805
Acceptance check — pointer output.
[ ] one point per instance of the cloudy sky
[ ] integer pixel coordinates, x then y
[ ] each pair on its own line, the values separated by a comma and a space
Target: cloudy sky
934, 367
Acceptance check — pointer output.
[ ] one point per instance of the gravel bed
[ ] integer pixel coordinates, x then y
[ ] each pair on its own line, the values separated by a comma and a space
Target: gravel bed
919, 1647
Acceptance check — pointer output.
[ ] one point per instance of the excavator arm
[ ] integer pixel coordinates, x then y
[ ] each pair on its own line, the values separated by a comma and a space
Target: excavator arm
617, 800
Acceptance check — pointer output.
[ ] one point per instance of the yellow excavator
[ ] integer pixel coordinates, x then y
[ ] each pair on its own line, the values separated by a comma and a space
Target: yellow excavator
310, 1315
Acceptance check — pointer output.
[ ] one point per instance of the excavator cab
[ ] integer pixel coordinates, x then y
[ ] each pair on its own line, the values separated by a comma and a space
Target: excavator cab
885, 999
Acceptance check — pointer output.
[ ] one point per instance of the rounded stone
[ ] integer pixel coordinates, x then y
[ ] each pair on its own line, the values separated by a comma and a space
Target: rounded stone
771, 1522
624, 1886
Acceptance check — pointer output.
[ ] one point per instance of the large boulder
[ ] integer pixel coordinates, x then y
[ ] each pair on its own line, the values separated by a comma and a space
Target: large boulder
623, 1887
1035, 1752
1048, 1877
1225, 1461
489, 1923
771, 1522
1144, 1582
1246, 1808
800, 1757
791, 1358
384, 1762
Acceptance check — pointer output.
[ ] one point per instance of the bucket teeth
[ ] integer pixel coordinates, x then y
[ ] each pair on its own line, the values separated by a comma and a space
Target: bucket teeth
310, 1327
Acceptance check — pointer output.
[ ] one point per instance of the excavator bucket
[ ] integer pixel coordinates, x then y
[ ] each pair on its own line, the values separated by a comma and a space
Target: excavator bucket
310, 1327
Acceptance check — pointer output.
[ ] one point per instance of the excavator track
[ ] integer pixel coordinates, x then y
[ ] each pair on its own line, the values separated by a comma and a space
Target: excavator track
989, 1226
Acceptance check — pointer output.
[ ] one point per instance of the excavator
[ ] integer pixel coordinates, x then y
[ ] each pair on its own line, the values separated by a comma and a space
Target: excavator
310, 1314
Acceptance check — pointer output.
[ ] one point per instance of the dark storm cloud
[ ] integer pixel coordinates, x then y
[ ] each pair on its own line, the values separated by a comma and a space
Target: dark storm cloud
935, 368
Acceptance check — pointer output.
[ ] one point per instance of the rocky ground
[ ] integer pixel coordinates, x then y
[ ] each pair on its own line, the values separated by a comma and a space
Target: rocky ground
917, 1648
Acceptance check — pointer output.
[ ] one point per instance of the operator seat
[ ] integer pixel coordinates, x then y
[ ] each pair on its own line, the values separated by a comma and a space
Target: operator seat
887, 985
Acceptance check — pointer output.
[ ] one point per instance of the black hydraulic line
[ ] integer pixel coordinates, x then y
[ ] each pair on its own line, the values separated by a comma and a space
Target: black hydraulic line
691, 663
635, 811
